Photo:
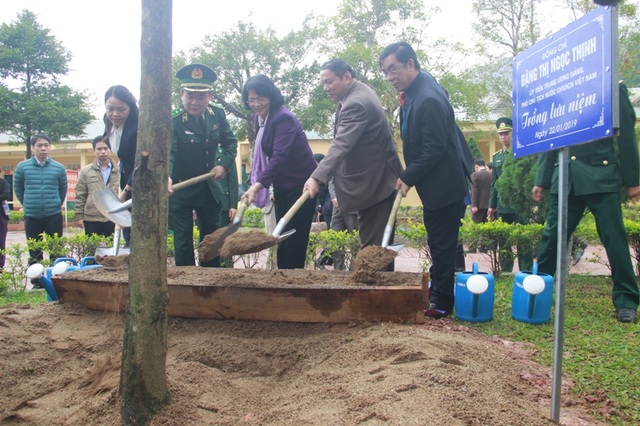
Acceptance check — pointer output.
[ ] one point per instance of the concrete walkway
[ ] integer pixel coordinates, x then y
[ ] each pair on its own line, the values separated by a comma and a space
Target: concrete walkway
408, 261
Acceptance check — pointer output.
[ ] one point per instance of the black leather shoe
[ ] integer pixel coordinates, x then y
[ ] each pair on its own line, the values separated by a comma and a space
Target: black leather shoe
627, 315
435, 312
577, 256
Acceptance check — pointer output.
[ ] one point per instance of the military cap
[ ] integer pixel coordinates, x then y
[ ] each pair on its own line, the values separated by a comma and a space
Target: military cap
196, 78
504, 124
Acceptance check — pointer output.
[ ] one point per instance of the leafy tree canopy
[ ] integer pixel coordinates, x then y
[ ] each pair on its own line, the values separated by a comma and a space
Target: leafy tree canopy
33, 100
628, 35
357, 34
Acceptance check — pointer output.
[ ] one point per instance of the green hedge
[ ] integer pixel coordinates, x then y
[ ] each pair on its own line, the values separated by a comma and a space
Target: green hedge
18, 216
409, 230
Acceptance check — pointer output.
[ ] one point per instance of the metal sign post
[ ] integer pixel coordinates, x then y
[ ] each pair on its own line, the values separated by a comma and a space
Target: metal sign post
561, 279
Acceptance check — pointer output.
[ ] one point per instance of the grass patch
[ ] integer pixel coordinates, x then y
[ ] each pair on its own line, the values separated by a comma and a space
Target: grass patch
600, 354
22, 297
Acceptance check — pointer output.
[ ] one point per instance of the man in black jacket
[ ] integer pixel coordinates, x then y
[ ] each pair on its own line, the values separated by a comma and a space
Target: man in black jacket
438, 161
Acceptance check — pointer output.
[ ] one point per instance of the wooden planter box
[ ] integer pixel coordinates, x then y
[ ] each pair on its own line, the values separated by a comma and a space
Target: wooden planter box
292, 303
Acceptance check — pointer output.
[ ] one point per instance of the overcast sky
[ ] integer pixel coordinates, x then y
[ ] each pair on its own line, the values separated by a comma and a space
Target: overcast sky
104, 36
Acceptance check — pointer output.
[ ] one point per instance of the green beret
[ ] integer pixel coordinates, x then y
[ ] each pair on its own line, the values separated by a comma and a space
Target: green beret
504, 124
196, 78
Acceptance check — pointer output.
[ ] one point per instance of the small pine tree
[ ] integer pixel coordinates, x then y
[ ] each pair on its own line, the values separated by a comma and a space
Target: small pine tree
515, 184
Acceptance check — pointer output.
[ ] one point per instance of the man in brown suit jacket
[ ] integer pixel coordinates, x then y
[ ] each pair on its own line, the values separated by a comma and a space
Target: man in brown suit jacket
481, 188
362, 158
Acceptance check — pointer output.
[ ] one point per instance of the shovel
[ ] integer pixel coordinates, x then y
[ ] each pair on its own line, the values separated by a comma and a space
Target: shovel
211, 244
292, 211
111, 207
372, 258
277, 234
127, 204
282, 223
105, 200
116, 249
388, 229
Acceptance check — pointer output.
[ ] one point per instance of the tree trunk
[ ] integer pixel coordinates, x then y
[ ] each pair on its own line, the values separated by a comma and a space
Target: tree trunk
143, 389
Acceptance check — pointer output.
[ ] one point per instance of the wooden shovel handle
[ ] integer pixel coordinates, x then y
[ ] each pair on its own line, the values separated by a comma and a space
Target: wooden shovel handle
394, 209
388, 230
242, 207
193, 181
296, 206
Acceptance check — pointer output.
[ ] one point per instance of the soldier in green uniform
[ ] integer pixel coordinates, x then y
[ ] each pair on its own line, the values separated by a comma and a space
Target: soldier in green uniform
595, 176
497, 208
198, 130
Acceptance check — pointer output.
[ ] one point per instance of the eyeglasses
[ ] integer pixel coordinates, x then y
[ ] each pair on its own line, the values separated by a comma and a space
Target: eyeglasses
391, 72
257, 101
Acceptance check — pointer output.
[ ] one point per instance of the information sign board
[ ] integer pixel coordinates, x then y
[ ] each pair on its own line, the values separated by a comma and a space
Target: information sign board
562, 87
72, 180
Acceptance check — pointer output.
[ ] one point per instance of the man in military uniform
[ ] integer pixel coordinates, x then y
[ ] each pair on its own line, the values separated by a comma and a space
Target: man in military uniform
198, 130
497, 208
595, 176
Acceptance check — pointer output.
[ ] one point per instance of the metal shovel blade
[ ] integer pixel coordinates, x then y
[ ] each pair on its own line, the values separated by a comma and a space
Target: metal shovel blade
108, 251
212, 244
229, 229
106, 201
116, 249
395, 247
269, 244
286, 235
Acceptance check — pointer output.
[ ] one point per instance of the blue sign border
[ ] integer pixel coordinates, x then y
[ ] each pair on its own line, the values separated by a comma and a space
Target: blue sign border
562, 87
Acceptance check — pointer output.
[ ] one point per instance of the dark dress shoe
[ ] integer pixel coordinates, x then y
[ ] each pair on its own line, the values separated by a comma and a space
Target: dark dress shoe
435, 312
627, 315
577, 256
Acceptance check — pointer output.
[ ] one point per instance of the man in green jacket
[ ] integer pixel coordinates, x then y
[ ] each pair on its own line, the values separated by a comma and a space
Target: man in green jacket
198, 130
497, 207
595, 176
40, 184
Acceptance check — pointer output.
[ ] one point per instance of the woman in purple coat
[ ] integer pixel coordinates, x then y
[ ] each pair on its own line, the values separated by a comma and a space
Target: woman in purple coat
282, 159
